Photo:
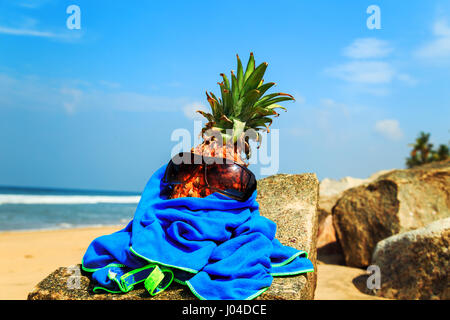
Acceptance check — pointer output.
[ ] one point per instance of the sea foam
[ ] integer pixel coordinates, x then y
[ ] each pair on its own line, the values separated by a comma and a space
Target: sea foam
64, 199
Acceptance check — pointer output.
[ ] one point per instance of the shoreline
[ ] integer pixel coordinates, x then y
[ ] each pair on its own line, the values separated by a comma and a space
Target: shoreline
80, 227
28, 256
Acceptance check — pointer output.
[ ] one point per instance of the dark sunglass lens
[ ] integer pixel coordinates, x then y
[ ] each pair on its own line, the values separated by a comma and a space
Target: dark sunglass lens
234, 193
227, 177
177, 173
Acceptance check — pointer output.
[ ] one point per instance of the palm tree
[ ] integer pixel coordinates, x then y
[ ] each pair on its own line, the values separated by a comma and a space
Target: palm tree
442, 153
423, 152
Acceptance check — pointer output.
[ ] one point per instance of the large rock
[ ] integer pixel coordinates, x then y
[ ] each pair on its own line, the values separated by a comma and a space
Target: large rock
330, 190
328, 248
326, 234
415, 264
398, 201
291, 202
288, 200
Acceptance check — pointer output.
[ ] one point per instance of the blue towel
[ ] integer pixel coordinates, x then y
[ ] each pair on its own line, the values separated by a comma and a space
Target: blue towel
219, 247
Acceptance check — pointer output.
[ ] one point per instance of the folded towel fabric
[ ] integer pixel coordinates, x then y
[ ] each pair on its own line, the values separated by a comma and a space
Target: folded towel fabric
219, 247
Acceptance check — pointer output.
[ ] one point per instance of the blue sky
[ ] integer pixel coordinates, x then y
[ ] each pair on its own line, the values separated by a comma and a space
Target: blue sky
95, 108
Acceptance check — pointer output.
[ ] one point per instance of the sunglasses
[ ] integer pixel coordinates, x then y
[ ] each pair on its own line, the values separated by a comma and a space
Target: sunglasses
220, 175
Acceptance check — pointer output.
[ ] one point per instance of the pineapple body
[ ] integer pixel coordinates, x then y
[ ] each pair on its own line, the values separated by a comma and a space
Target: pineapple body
193, 186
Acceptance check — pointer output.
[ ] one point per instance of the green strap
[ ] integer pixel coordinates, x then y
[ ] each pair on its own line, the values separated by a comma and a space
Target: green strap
113, 276
156, 282
154, 279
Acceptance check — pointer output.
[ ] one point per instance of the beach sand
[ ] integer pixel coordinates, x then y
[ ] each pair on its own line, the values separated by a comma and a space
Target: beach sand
29, 256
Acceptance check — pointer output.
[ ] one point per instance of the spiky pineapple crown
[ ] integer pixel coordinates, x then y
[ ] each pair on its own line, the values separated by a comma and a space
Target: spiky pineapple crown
243, 105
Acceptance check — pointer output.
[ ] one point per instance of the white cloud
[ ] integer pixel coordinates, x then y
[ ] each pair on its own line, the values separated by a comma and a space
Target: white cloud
190, 110
73, 96
332, 121
368, 72
132, 101
26, 32
439, 47
298, 132
299, 98
28, 26
31, 4
441, 28
63, 35
331, 103
406, 78
109, 84
364, 48
389, 128
329, 111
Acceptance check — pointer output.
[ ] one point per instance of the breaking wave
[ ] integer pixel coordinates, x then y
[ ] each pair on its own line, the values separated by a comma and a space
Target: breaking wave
65, 199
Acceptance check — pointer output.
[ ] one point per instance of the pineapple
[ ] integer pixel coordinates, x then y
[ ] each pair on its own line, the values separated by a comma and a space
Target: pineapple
242, 106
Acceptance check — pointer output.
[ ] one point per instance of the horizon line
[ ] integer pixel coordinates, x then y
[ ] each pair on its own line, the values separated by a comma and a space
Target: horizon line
41, 188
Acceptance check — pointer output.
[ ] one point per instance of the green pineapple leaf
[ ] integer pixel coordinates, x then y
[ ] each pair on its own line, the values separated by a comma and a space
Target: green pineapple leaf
243, 103
268, 102
275, 106
240, 73
234, 88
254, 79
207, 115
246, 102
225, 81
250, 67
263, 88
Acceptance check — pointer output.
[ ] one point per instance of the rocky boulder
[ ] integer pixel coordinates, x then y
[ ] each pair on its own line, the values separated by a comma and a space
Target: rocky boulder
289, 200
328, 248
415, 264
398, 201
330, 190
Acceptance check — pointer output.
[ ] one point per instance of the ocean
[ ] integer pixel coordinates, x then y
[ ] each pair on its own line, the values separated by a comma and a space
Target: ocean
47, 209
